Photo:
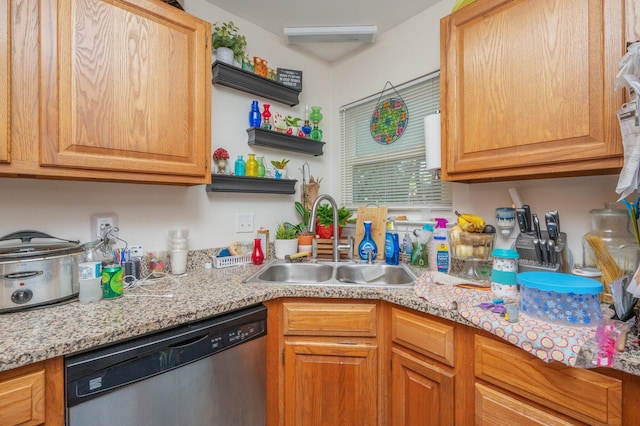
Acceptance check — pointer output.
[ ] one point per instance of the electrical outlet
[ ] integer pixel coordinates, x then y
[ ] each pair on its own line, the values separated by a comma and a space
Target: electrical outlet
136, 251
244, 222
99, 221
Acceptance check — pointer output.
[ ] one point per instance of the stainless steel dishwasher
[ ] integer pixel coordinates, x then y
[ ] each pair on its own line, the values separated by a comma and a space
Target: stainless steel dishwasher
207, 373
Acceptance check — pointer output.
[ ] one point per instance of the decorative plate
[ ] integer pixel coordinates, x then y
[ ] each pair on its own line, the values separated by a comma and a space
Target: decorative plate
389, 121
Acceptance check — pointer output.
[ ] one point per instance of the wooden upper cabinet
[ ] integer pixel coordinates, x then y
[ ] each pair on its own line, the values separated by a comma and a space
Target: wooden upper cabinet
5, 80
125, 88
527, 89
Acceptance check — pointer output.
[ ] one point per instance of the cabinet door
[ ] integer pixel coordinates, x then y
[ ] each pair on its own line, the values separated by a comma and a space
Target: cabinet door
5, 80
527, 89
125, 87
422, 393
33, 394
330, 383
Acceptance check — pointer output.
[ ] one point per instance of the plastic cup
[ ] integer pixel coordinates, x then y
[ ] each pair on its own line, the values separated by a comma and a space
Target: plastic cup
178, 262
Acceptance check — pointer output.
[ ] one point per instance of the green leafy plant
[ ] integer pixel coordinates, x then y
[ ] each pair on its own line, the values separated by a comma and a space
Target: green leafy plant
304, 213
228, 35
325, 215
279, 164
292, 121
286, 231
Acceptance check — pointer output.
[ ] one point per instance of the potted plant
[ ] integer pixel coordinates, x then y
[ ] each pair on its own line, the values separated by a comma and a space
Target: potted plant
281, 172
286, 241
325, 220
228, 42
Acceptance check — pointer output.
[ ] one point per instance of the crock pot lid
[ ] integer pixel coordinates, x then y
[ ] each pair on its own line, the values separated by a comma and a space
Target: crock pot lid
38, 246
559, 282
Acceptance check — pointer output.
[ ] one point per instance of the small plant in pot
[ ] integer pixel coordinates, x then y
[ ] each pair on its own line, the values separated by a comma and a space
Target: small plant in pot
228, 43
281, 172
325, 220
286, 241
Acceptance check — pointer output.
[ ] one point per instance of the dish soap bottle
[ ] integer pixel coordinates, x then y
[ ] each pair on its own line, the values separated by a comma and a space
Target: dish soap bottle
439, 248
367, 244
391, 245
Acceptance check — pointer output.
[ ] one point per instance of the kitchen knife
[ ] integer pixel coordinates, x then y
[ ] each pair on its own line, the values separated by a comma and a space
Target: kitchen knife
551, 226
538, 247
552, 252
522, 223
556, 220
536, 226
545, 252
527, 216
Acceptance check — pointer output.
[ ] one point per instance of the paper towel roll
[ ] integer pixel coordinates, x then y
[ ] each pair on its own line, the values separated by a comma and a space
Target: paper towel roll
432, 140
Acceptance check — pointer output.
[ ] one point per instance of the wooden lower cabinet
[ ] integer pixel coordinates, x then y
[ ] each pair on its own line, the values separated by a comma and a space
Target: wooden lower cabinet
360, 362
422, 393
330, 382
33, 394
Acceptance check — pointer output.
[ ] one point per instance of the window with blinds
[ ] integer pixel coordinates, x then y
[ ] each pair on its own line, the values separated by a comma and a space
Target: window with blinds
396, 174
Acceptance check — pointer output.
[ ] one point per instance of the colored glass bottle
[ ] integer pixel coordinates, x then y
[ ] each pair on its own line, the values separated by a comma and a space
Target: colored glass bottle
239, 167
266, 116
261, 171
252, 166
257, 257
316, 115
367, 244
255, 117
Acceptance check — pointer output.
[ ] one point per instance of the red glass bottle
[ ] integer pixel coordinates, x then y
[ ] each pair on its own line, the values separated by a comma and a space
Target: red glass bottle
266, 117
257, 257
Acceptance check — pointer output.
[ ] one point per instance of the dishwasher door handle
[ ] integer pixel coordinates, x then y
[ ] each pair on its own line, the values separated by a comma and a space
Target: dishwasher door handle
189, 342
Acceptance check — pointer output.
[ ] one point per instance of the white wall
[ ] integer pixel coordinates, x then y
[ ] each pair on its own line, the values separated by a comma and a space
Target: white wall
412, 50
146, 212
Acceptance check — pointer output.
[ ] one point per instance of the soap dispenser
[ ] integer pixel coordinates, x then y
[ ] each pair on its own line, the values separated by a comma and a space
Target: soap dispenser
367, 244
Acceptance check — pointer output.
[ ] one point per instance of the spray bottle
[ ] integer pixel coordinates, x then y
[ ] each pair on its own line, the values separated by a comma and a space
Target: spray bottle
439, 248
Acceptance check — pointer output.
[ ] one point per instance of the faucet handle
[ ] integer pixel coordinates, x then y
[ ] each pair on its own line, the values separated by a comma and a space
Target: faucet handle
349, 246
370, 256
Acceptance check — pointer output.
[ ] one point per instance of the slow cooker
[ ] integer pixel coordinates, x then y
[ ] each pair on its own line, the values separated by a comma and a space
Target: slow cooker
37, 269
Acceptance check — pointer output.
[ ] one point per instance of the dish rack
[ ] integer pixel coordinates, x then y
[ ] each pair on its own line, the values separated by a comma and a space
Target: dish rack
226, 261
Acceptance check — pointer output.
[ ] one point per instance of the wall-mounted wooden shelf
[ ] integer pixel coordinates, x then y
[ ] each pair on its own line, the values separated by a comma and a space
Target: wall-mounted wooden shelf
283, 141
256, 185
236, 78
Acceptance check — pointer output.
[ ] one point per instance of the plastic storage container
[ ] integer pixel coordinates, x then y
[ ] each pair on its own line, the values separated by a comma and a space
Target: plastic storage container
563, 299
611, 226
504, 273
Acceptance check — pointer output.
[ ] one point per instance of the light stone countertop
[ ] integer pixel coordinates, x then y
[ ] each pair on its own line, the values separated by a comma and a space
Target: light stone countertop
39, 334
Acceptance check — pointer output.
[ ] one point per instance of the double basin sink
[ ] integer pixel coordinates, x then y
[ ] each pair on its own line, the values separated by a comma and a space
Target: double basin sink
334, 273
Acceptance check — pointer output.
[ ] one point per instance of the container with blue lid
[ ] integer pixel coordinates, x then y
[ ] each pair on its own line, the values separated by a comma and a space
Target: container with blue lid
561, 298
503, 273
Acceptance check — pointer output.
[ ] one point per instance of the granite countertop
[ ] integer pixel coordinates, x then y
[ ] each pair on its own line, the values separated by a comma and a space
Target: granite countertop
39, 334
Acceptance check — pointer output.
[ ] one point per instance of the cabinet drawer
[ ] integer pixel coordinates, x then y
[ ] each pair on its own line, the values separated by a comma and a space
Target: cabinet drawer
427, 336
22, 399
329, 319
494, 407
582, 394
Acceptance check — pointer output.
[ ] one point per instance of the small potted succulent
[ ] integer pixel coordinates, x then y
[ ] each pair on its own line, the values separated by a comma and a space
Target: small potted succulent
281, 172
220, 156
285, 241
228, 43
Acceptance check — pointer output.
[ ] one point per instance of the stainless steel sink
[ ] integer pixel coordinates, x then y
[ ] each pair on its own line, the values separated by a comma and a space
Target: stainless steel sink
333, 274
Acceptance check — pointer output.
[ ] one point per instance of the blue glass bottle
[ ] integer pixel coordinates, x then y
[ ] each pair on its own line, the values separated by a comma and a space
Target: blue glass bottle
367, 244
254, 115
239, 167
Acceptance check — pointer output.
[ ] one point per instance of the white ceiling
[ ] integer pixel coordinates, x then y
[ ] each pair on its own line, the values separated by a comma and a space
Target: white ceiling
274, 15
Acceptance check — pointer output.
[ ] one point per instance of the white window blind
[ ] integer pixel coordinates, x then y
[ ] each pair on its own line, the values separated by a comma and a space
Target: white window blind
394, 175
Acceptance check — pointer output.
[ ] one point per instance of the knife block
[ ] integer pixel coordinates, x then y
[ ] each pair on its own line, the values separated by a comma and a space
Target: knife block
529, 260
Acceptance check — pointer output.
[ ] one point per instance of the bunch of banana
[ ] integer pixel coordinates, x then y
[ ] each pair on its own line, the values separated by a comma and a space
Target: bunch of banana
470, 222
